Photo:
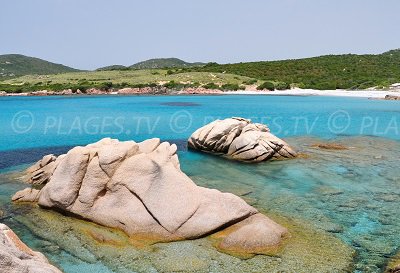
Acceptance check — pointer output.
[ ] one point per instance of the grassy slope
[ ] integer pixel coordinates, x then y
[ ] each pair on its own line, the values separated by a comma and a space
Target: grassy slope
12, 65
118, 78
325, 72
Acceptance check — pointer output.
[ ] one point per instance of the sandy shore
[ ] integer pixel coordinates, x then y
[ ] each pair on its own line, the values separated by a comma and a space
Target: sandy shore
310, 92
374, 94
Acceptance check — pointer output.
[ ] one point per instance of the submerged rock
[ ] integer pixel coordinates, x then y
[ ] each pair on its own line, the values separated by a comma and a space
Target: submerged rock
240, 139
15, 256
308, 249
393, 265
140, 189
395, 269
329, 146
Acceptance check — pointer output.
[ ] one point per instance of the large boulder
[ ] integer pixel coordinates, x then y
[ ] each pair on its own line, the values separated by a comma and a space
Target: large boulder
16, 257
140, 189
240, 139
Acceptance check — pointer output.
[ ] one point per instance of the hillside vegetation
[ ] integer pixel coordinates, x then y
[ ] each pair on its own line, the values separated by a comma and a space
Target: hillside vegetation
325, 72
123, 78
154, 64
14, 65
163, 63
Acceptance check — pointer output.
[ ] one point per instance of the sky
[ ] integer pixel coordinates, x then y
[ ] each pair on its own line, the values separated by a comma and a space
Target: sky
88, 34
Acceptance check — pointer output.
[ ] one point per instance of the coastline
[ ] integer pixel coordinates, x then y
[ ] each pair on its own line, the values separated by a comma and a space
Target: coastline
372, 94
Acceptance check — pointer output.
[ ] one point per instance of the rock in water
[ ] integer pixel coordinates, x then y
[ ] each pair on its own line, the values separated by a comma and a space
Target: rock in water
139, 188
41, 172
16, 257
392, 97
240, 139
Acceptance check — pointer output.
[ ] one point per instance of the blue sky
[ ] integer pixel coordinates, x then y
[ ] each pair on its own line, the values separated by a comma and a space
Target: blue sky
87, 34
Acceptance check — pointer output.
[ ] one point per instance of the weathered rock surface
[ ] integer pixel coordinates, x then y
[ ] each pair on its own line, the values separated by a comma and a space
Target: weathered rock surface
16, 257
27, 195
240, 139
392, 97
139, 188
41, 171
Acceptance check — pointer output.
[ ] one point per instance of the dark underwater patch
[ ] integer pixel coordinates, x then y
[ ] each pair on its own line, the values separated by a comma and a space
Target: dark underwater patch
180, 103
23, 156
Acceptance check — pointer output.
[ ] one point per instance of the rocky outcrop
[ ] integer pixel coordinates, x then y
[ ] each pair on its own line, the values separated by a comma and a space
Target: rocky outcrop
393, 265
139, 188
16, 257
66, 92
41, 171
329, 146
27, 195
199, 90
392, 97
395, 269
240, 139
42, 93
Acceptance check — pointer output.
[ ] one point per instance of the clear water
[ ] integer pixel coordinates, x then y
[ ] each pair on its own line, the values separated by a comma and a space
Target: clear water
352, 195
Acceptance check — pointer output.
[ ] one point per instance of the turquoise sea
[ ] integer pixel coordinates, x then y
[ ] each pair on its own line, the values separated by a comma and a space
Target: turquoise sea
341, 206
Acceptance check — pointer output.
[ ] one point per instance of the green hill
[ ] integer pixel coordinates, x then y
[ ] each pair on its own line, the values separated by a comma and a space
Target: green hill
164, 63
349, 71
112, 67
15, 65
325, 72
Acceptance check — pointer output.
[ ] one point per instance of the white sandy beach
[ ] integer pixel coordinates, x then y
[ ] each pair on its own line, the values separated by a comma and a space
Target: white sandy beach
377, 94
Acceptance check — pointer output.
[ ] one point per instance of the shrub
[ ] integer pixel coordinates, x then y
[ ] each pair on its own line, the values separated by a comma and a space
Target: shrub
230, 87
282, 86
323, 86
266, 85
211, 64
174, 85
137, 85
250, 82
211, 85
365, 85
105, 85
298, 85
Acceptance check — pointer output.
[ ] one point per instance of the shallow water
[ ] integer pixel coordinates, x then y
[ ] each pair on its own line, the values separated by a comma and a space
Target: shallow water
346, 200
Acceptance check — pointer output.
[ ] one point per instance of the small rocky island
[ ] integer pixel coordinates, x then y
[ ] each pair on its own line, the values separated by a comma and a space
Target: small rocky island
240, 139
140, 189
